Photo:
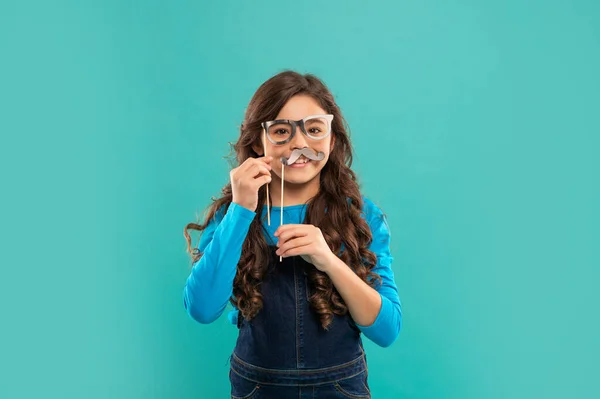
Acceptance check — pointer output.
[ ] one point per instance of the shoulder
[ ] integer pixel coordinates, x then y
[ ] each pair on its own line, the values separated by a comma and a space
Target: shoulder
372, 212
377, 221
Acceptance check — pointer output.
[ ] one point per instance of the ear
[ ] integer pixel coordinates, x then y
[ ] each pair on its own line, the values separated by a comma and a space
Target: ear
332, 142
258, 149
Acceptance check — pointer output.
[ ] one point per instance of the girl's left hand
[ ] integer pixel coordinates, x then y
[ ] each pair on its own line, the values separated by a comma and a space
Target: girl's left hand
305, 240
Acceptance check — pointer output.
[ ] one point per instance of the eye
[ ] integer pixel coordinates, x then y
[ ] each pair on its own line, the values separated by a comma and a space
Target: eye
281, 131
314, 130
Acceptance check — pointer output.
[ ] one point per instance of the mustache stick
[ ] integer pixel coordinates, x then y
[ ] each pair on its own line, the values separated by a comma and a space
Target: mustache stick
308, 153
265, 152
281, 208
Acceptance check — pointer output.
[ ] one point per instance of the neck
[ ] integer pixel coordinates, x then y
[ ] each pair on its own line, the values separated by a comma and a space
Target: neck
293, 194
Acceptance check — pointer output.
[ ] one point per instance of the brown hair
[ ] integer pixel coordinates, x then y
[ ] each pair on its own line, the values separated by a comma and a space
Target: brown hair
339, 191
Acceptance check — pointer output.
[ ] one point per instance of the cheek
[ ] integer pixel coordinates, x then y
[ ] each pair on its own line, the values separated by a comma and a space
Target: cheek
324, 147
276, 162
327, 150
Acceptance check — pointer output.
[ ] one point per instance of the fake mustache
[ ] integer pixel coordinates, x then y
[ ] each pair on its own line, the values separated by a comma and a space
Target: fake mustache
307, 152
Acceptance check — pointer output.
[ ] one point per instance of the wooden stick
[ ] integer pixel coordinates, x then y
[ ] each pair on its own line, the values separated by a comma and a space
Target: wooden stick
265, 152
281, 208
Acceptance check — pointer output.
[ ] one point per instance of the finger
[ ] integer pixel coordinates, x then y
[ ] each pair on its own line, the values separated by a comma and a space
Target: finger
293, 232
302, 250
250, 162
293, 243
255, 167
262, 170
285, 227
261, 181
265, 159
257, 170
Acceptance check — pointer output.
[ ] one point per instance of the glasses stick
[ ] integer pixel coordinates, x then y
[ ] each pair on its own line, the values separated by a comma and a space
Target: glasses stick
265, 152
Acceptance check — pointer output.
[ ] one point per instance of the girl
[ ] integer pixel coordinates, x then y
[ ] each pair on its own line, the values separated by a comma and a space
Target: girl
303, 289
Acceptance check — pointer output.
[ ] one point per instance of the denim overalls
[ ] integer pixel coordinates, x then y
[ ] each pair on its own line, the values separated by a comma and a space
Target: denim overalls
284, 352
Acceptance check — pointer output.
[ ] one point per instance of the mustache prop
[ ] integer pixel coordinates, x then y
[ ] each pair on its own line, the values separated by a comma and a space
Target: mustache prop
307, 152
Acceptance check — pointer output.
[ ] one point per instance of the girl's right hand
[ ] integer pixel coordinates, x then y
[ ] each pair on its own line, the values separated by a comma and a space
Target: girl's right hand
247, 178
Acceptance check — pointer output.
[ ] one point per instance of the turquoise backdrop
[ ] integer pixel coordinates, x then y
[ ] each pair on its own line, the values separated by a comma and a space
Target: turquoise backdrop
475, 126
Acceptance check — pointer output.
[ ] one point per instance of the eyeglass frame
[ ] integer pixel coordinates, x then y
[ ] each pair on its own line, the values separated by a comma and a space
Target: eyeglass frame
295, 124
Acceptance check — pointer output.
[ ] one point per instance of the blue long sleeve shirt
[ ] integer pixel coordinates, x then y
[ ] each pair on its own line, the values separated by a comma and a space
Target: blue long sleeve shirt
210, 283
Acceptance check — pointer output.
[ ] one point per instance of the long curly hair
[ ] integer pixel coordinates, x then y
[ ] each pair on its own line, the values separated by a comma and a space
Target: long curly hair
339, 191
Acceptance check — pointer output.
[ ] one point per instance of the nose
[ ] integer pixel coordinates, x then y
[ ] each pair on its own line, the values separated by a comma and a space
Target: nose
299, 139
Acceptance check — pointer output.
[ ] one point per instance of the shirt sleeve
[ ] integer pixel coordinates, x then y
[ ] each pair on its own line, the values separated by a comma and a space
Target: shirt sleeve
210, 284
386, 327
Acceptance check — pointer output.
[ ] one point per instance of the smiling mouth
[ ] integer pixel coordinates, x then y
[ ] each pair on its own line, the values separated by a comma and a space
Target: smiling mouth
300, 163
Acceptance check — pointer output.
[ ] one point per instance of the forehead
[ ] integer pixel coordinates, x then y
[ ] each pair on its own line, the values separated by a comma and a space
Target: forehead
299, 107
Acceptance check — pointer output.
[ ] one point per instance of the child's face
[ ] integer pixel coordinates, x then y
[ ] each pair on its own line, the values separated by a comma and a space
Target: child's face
299, 107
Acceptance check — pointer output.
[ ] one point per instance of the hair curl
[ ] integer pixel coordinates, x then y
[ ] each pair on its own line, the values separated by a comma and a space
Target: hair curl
339, 191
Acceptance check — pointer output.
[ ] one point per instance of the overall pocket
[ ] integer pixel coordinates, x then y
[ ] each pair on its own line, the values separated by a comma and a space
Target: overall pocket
355, 387
241, 388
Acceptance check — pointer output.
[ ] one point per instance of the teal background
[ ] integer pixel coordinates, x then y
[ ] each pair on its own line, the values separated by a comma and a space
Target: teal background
115, 118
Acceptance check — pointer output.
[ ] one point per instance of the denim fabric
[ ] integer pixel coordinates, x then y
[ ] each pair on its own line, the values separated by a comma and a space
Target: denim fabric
285, 352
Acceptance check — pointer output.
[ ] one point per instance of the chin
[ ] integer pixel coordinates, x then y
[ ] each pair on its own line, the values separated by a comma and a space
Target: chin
297, 180
300, 179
